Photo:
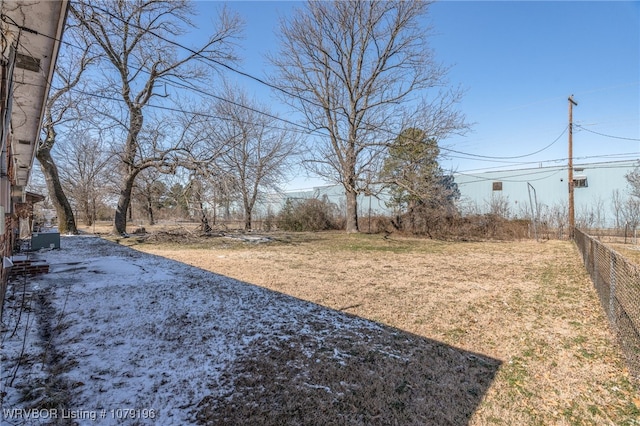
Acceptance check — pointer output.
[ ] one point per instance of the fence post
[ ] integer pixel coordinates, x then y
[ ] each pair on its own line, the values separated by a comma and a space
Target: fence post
594, 259
612, 291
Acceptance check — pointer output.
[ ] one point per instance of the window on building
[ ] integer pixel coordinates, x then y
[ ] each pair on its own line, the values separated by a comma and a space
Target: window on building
497, 186
580, 182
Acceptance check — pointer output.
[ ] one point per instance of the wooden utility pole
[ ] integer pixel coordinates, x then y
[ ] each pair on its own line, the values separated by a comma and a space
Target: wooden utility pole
572, 213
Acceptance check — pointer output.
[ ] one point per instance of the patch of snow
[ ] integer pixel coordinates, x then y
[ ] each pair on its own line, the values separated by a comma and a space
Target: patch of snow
136, 331
325, 388
251, 238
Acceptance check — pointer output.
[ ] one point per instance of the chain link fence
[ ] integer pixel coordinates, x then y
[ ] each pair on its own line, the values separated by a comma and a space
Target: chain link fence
617, 282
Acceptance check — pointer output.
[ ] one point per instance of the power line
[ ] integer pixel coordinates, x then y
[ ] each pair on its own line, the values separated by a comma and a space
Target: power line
305, 129
552, 171
201, 56
265, 83
549, 173
485, 158
624, 156
198, 54
220, 98
9, 20
472, 156
180, 110
605, 135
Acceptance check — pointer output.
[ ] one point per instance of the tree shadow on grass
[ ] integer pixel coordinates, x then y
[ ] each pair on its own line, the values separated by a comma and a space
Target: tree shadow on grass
316, 371
306, 364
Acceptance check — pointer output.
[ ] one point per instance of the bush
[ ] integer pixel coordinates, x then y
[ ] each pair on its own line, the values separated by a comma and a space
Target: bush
376, 224
440, 224
308, 215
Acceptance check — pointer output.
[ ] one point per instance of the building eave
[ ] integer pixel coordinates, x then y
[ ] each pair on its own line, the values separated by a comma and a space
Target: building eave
36, 28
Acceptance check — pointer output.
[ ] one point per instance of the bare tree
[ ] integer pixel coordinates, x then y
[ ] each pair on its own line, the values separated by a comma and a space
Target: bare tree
357, 71
257, 153
223, 191
208, 185
617, 204
177, 203
633, 179
150, 191
499, 205
600, 213
631, 213
84, 161
631, 206
135, 40
61, 110
586, 218
196, 191
66, 220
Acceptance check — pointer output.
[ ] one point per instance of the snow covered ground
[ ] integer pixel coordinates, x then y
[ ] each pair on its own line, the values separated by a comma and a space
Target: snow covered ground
115, 336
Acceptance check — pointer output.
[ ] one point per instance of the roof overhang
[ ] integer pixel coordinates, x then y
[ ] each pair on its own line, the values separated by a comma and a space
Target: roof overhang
35, 27
32, 197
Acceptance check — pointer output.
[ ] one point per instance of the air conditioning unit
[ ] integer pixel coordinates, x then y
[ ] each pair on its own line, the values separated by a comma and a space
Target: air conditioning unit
45, 240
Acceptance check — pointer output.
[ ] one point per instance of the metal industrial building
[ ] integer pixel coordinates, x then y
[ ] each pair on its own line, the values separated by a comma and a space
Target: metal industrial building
513, 191
518, 190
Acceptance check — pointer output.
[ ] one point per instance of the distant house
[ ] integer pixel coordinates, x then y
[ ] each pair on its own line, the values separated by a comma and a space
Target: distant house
31, 36
516, 191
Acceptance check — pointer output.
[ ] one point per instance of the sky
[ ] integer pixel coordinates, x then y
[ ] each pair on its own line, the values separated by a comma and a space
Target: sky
518, 62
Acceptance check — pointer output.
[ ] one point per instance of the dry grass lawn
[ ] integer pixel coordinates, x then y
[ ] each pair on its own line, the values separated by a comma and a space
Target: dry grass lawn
529, 304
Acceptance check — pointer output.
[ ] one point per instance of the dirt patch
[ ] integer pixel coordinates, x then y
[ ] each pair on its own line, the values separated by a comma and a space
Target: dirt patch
528, 304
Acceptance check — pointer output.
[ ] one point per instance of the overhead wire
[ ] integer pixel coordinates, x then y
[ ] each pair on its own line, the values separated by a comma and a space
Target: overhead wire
19, 43
201, 56
305, 129
551, 171
220, 98
306, 100
291, 123
199, 113
510, 157
605, 135
624, 157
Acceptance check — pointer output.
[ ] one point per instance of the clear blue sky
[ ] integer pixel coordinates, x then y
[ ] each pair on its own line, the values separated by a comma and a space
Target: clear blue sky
519, 62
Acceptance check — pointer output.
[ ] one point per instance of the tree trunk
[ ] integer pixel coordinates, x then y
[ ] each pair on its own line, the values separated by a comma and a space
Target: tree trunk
124, 202
411, 210
352, 210
152, 220
86, 212
93, 211
66, 220
204, 222
214, 214
247, 218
